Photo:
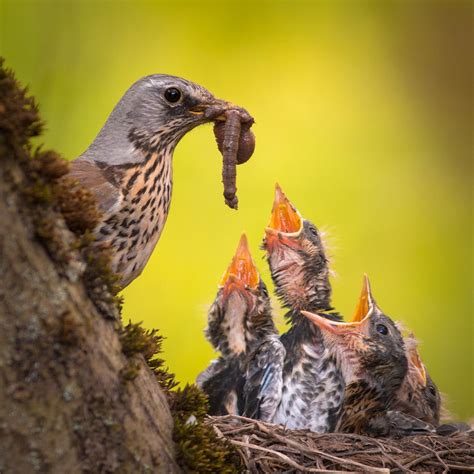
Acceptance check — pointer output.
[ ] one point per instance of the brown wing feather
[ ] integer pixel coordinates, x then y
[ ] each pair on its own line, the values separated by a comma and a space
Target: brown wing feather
92, 177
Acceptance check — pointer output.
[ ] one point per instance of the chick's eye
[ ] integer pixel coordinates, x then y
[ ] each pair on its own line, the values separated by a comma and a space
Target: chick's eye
313, 231
172, 95
432, 390
381, 329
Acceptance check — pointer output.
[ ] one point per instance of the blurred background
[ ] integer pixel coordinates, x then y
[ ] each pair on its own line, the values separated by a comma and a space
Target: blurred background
364, 117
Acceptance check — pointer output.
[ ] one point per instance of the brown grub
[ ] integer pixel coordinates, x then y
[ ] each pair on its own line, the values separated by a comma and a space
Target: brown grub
236, 142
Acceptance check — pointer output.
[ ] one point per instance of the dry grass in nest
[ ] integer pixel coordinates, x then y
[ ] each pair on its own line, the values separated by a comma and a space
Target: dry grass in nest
269, 448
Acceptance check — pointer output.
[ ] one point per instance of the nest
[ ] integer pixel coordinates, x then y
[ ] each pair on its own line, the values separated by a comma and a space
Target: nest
270, 448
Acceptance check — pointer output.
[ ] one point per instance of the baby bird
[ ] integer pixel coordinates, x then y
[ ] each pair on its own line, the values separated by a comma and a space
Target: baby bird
241, 328
370, 353
312, 386
418, 396
297, 259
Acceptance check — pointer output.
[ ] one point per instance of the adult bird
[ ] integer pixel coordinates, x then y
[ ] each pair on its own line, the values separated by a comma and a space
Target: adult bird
128, 167
241, 328
370, 353
313, 388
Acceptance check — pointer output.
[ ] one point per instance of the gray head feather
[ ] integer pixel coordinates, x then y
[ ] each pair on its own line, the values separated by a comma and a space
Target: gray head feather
143, 115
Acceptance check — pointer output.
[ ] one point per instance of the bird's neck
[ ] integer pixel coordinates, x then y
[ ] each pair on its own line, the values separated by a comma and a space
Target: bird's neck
306, 288
318, 291
294, 316
408, 389
263, 329
153, 175
366, 389
230, 335
303, 335
124, 146
362, 401
386, 369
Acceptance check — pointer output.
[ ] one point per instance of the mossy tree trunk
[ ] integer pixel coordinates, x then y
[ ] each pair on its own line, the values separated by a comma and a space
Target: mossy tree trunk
68, 401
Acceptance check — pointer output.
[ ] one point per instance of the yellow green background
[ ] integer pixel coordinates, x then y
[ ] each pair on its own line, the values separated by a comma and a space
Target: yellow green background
363, 115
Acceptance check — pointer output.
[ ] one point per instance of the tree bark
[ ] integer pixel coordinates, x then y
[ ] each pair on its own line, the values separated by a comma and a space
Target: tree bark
65, 406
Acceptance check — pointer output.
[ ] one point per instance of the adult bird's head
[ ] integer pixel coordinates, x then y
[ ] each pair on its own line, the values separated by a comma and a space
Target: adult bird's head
241, 311
153, 115
419, 394
370, 347
297, 258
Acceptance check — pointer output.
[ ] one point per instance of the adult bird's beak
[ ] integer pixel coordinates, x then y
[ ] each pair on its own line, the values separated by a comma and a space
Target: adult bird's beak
414, 359
214, 110
285, 220
242, 272
211, 110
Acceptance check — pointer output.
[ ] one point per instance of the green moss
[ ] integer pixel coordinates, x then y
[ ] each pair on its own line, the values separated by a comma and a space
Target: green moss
198, 447
147, 342
129, 371
39, 193
49, 165
190, 401
77, 205
101, 282
69, 329
47, 232
19, 118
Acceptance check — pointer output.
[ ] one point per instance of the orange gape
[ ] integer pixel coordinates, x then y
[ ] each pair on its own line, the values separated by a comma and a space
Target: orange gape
414, 359
285, 218
242, 266
359, 321
363, 304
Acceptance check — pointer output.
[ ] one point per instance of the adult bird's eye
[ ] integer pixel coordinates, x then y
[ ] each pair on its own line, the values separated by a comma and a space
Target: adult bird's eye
382, 329
172, 95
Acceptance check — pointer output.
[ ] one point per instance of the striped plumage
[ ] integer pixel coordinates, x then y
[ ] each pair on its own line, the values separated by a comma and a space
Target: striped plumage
371, 355
128, 167
312, 386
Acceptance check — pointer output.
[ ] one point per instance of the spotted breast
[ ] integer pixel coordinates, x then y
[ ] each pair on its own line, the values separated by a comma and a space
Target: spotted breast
134, 230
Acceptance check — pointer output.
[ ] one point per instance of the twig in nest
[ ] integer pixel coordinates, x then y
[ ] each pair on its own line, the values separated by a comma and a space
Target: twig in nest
269, 448
435, 453
441, 453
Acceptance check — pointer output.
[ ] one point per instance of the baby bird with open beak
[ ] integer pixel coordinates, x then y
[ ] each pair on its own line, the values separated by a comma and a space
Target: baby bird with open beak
240, 327
370, 353
297, 259
313, 388
418, 396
